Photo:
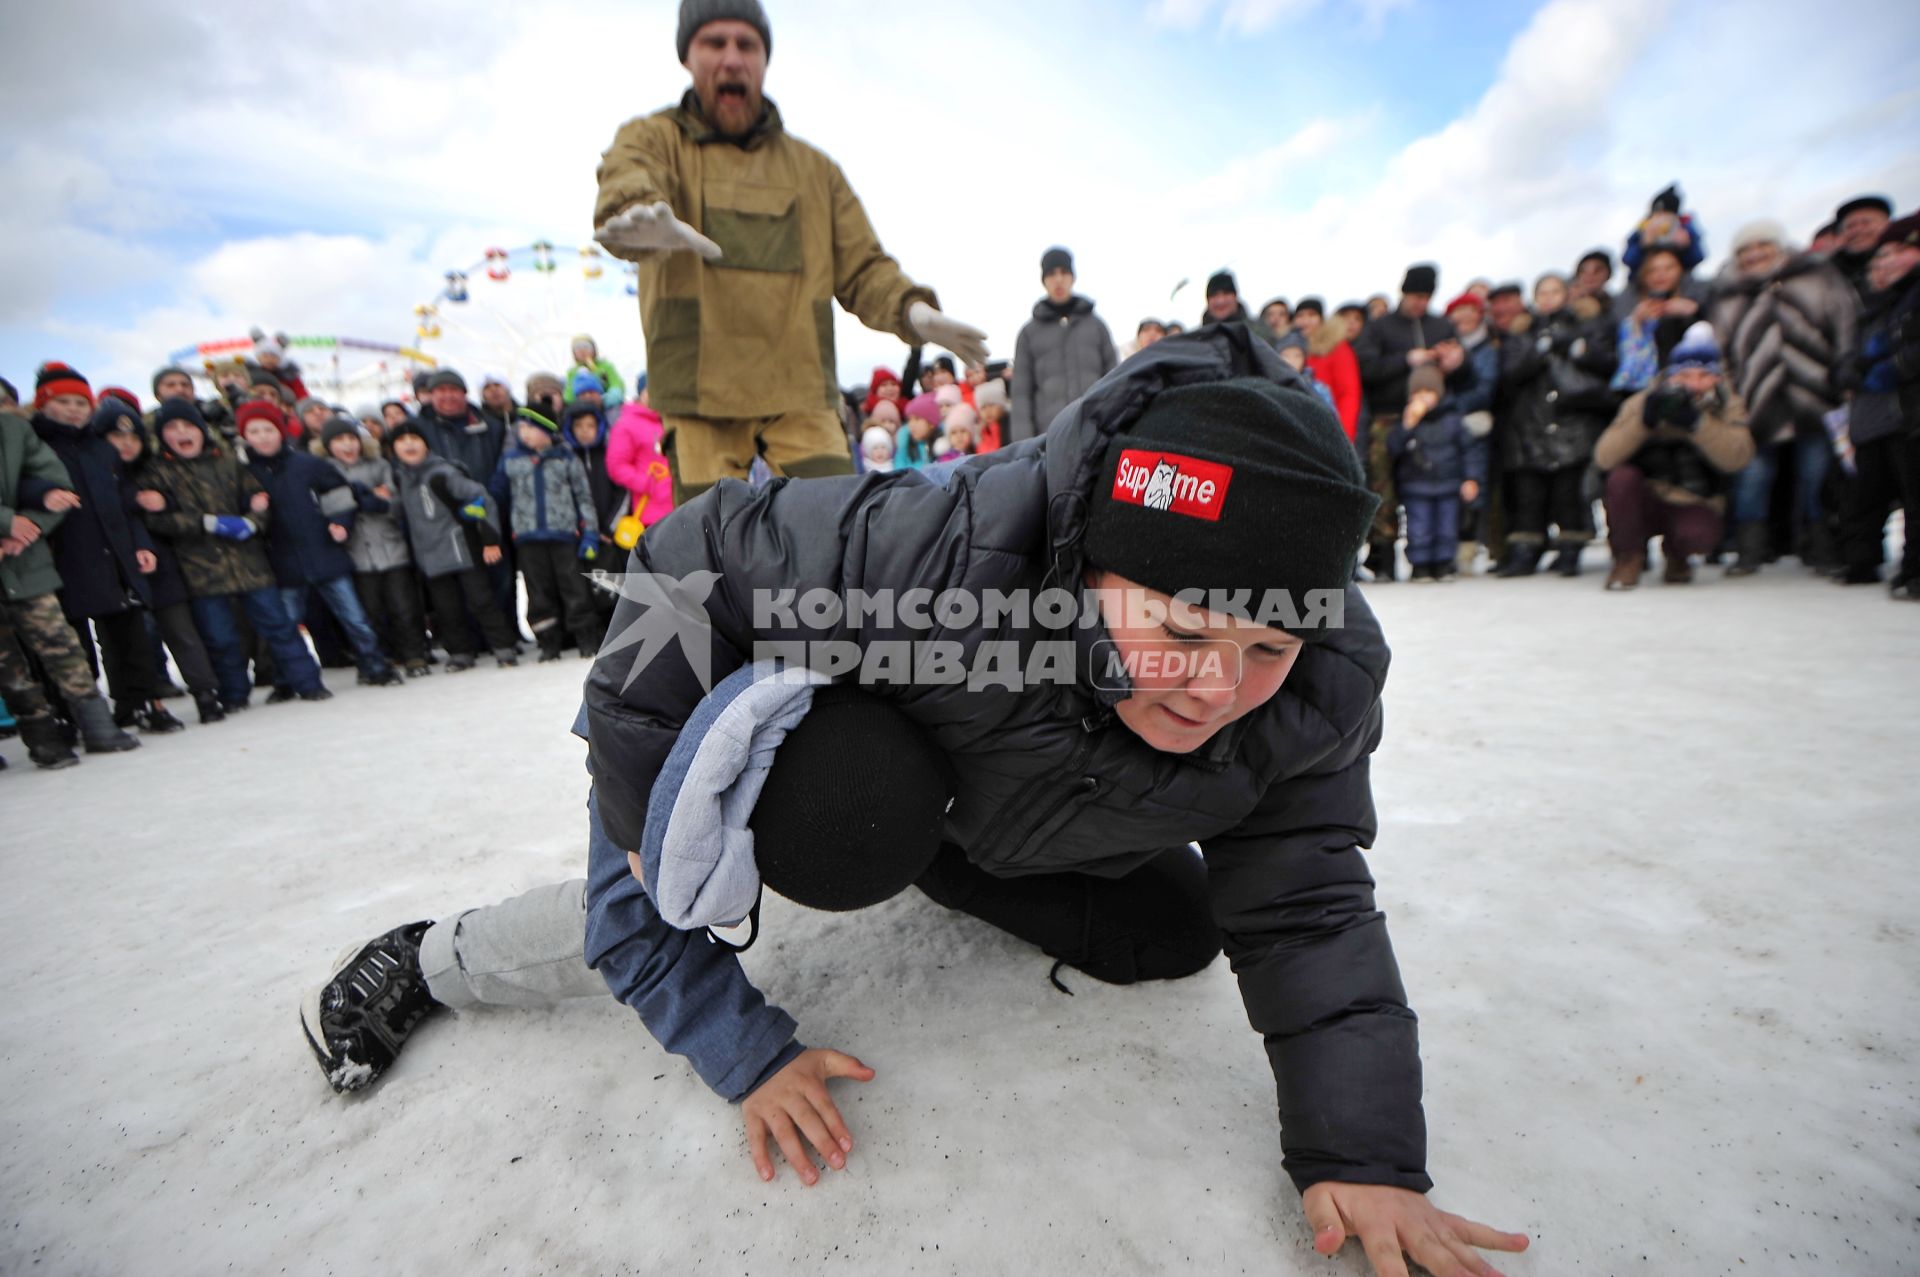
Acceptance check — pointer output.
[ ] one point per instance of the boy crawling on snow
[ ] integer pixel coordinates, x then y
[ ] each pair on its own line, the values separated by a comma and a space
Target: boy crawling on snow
1061, 809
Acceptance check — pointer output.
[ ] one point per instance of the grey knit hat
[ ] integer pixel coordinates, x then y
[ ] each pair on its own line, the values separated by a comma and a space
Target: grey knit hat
695, 14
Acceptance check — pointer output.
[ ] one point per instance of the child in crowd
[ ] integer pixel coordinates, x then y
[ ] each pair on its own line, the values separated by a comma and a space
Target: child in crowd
35, 495
1292, 348
101, 550
587, 360
541, 488
994, 404
913, 447
314, 509
876, 449
172, 614
1437, 464
884, 387
635, 462
452, 530
213, 511
961, 423
383, 573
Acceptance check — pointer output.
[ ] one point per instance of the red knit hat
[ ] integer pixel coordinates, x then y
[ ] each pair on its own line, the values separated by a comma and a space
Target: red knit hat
56, 378
1466, 299
259, 410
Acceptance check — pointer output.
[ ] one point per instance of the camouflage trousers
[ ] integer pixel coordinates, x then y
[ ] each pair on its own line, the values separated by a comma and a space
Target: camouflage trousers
1386, 520
38, 625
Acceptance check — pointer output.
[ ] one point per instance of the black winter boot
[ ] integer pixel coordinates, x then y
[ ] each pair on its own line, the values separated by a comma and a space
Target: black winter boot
1523, 559
1751, 540
211, 710
97, 729
44, 744
357, 1022
1567, 561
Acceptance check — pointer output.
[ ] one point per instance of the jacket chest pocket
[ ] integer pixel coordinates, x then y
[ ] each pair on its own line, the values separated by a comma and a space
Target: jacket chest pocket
756, 226
1055, 806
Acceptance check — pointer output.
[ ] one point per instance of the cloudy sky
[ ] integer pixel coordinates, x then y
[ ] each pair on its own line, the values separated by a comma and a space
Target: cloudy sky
176, 173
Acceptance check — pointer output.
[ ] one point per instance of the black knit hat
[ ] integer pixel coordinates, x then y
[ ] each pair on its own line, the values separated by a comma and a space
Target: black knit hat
1600, 255
1424, 278
179, 410
1221, 281
337, 427
851, 811
410, 426
1232, 485
1313, 304
1667, 201
695, 14
1054, 259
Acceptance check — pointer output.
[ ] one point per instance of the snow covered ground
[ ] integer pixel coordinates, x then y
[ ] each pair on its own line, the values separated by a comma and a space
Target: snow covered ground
1649, 861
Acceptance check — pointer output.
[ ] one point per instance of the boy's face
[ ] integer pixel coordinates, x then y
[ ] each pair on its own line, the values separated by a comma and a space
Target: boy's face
533, 437
1276, 317
448, 401
175, 385
1308, 321
69, 410
374, 426
1294, 358
182, 439
1059, 285
410, 450
585, 431
1189, 680
394, 414
263, 437
592, 398
494, 395
345, 449
316, 416
1223, 305
127, 444
1549, 295
1421, 402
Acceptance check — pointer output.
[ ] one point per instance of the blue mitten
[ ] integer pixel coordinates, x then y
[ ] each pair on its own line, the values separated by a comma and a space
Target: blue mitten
589, 546
230, 526
474, 511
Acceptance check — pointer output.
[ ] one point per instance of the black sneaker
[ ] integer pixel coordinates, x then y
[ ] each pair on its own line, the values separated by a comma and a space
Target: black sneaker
156, 719
419, 669
317, 694
211, 710
385, 678
548, 655
281, 695
455, 664
357, 1022
506, 657
236, 707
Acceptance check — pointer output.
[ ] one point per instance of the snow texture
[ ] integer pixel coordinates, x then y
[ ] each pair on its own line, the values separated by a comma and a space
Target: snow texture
1648, 861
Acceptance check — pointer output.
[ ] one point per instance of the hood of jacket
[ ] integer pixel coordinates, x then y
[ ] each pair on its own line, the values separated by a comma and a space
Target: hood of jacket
1075, 307
638, 417
693, 121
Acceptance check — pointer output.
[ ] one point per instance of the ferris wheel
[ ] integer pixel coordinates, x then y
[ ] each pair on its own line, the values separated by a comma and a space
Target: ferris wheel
516, 311
337, 368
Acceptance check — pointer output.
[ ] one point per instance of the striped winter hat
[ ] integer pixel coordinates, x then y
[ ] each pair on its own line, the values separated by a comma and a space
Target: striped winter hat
55, 378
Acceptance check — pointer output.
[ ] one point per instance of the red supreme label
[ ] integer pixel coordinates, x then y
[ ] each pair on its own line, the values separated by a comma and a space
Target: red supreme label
1169, 481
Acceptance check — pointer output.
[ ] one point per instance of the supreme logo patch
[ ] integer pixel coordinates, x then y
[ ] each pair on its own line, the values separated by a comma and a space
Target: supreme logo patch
1169, 481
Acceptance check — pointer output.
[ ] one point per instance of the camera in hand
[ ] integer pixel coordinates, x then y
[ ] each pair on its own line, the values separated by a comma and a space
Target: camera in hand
1671, 405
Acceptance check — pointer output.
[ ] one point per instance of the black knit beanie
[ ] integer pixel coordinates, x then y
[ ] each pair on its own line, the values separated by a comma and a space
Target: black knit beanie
852, 808
337, 427
695, 14
1221, 281
1232, 485
1054, 259
1424, 278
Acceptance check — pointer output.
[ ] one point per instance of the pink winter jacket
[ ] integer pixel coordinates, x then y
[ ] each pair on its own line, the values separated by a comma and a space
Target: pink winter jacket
635, 463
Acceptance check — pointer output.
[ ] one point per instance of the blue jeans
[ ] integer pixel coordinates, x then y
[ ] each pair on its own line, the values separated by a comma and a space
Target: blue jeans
213, 616
344, 603
1753, 486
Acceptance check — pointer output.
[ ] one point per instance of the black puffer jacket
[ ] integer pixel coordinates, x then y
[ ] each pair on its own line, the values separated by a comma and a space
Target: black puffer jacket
1382, 349
1786, 338
1050, 780
1555, 375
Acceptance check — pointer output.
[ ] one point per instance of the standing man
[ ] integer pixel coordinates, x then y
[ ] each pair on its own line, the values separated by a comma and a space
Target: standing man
1061, 352
1389, 349
1857, 224
745, 237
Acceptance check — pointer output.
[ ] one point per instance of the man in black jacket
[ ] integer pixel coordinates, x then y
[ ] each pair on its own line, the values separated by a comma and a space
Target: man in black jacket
1203, 465
1388, 350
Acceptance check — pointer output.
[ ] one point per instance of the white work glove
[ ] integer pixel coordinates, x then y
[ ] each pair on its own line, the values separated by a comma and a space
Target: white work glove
652, 228
937, 329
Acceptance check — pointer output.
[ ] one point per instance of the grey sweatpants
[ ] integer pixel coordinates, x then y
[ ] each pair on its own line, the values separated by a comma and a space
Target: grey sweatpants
522, 952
